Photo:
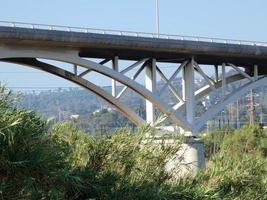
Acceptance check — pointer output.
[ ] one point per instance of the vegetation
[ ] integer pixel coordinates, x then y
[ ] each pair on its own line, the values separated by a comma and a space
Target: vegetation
43, 161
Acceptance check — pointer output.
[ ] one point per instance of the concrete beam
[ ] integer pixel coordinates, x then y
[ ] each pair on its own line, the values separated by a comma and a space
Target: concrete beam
189, 91
115, 67
150, 82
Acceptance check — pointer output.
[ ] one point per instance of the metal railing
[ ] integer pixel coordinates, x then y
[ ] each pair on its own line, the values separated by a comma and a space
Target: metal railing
130, 33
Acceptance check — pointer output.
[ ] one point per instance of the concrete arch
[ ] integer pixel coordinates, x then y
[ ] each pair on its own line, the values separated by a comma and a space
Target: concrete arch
205, 90
72, 57
228, 99
34, 63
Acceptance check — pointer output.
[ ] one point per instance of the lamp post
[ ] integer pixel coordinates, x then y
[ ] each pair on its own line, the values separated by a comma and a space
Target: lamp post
157, 16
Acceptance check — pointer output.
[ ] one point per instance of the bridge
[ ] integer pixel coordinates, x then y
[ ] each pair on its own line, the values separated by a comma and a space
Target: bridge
33, 44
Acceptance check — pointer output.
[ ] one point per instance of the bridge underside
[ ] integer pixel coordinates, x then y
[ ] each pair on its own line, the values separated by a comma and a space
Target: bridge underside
147, 57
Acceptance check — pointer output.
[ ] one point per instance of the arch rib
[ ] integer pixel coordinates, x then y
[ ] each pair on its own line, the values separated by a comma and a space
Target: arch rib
34, 63
207, 89
229, 98
73, 58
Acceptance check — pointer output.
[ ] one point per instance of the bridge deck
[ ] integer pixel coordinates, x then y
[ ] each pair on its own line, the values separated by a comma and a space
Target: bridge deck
134, 48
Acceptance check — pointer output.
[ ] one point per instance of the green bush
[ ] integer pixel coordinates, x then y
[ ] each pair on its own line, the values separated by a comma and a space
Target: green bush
213, 140
63, 162
28, 160
238, 170
124, 164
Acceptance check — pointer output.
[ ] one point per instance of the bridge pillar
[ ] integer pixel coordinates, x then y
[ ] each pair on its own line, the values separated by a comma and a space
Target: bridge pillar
193, 148
150, 83
115, 66
189, 92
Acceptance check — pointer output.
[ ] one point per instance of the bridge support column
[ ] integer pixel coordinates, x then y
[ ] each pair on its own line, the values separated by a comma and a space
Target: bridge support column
189, 91
150, 82
193, 147
115, 66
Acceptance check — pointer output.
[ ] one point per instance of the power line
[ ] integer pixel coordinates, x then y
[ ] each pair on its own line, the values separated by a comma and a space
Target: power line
42, 88
10, 72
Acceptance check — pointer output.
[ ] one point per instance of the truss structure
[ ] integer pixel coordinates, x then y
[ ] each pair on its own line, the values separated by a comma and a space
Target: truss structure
182, 112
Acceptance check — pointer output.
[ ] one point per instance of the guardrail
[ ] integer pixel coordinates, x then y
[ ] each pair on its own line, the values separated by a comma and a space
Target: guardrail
130, 33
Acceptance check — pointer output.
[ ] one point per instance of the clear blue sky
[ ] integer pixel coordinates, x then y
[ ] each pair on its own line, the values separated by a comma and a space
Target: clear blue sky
237, 19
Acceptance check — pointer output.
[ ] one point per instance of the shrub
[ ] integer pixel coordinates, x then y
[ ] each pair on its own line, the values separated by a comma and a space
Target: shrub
214, 140
65, 163
28, 161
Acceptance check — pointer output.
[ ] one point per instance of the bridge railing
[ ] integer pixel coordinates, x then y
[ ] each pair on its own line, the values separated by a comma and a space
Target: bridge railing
130, 33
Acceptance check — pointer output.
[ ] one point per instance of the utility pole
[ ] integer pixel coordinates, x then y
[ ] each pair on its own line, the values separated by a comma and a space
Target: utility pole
157, 16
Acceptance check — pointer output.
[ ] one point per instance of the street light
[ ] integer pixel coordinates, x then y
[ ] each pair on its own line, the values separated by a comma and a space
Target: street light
157, 16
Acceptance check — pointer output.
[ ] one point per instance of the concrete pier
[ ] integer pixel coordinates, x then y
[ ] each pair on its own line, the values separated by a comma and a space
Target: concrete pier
189, 159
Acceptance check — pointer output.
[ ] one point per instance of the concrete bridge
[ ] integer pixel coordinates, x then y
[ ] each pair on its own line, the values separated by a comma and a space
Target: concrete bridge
29, 44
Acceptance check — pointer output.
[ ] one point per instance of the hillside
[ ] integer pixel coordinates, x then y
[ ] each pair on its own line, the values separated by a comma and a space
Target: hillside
96, 116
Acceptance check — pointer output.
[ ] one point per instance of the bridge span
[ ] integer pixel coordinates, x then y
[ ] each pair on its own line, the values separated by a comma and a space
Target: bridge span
29, 44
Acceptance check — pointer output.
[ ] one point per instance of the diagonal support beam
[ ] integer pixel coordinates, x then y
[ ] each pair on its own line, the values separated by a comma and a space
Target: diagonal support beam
88, 70
207, 78
172, 89
241, 72
134, 65
173, 76
133, 78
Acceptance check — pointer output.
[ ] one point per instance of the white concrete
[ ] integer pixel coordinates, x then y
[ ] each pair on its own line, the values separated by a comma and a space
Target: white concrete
150, 82
256, 73
115, 67
223, 80
228, 99
188, 159
72, 57
189, 92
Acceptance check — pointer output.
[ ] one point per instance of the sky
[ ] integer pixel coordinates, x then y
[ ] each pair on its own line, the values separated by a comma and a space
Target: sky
235, 19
